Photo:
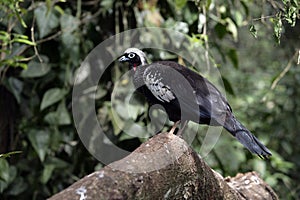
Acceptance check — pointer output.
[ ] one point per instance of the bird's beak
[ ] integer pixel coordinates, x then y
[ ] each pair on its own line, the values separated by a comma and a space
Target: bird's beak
123, 59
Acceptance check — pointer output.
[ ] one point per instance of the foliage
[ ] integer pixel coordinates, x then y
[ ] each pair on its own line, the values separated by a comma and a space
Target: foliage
44, 42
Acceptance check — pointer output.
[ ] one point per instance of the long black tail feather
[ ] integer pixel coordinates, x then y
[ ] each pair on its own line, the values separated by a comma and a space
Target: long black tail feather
245, 137
253, 144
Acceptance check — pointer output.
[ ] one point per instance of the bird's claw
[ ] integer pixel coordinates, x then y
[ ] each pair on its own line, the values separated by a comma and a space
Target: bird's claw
174, 127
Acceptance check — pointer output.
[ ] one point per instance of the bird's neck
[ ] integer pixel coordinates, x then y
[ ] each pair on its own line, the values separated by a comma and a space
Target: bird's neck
137, 74
134, 66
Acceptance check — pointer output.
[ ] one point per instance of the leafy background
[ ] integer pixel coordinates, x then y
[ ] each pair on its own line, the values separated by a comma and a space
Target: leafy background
255, 45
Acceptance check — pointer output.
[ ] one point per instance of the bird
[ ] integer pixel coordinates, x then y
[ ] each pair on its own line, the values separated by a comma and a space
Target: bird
187, 96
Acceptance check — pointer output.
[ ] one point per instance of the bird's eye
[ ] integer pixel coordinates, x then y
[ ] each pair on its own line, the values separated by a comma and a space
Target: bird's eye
131, 55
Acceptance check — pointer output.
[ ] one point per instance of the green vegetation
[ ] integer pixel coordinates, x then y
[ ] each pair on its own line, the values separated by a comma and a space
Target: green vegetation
254, 44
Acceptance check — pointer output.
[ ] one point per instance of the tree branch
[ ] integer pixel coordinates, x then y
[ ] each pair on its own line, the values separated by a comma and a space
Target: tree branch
164, 167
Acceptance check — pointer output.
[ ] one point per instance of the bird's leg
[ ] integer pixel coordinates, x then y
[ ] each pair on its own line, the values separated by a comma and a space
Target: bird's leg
174, 127
180, 131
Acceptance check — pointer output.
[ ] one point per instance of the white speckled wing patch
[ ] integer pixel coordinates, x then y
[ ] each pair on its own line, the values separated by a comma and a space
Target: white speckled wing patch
161, 91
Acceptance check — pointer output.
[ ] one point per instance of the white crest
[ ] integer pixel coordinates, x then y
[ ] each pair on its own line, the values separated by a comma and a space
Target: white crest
139, 52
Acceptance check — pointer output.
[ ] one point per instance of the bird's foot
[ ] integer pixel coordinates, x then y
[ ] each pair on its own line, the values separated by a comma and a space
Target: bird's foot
174, 127
180, 131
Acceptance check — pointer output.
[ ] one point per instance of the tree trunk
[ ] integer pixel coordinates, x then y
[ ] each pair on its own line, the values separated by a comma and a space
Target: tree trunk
164, 167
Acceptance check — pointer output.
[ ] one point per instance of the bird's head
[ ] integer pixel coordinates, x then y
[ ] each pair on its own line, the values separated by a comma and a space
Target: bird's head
134, 57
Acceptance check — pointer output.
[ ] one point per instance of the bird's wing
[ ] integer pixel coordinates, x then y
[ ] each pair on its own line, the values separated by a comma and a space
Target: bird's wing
208, 96
156, 81
196, 95
170, 86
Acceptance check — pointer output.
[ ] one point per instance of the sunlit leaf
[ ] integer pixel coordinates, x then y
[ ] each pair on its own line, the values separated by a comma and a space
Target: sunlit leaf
238, 18
4, 37
22, 39
291, 11
107, 5
231, 27
277, 28
180, 3
6, 155
20, 18
59, 9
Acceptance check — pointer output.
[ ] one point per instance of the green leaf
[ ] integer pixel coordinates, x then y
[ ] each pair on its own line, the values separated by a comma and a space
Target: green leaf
208, 4
260, 166
189, 16
291, 11
238, 17
69, 23
35, 69
7, 155
4, 170
46, 20
220, 30
39, 140
277, 28
116, 121
253, 31
22, 39
246, 8
59, 9
132, 130
47, 172
60, 116
58, 163
69, 38
52, 96
227, 86
63, 114
18, 186
107, 5
4, 37
20, 18
180, 4
7, 174
51, 118
16, 87
232, 54
231, 27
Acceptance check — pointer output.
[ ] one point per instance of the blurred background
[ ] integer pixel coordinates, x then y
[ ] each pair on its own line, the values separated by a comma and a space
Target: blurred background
254, 44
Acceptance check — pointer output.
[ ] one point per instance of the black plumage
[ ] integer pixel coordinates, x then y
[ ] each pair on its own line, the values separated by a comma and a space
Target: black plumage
187, 96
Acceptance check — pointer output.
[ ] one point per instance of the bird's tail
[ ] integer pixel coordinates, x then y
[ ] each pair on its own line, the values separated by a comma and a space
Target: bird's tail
245, 137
